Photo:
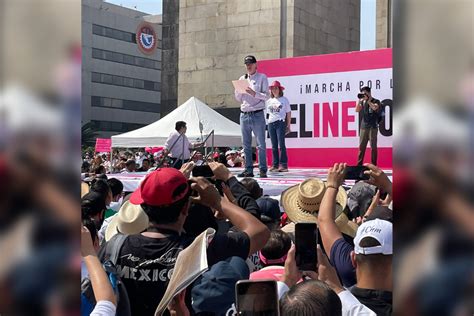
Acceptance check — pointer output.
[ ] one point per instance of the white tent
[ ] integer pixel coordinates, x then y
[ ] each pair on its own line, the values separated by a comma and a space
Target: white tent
196, 114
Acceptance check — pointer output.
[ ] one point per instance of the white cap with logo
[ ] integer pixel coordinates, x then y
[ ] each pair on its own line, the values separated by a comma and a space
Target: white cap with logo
378, 229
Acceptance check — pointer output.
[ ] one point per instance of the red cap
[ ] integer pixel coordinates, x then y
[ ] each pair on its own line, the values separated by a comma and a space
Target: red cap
276, 83
158, 187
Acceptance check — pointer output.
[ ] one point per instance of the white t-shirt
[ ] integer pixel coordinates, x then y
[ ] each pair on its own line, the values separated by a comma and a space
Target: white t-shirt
277, 109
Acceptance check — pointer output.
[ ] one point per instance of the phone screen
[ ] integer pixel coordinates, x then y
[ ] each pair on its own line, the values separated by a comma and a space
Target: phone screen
306, 237
257, 298
356, 173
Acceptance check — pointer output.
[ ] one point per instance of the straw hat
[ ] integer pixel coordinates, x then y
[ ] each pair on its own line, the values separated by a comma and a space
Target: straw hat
301, 203
130, 219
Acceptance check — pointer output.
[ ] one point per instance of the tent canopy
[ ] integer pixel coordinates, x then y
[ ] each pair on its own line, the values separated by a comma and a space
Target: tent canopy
200, 120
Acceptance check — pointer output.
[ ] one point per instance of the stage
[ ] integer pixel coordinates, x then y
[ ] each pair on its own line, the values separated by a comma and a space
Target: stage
273, 185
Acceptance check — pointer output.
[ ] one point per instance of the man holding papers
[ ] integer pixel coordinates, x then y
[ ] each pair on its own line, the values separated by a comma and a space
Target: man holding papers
252, 116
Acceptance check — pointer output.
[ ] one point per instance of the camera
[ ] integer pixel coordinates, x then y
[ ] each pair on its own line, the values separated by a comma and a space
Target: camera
361, 95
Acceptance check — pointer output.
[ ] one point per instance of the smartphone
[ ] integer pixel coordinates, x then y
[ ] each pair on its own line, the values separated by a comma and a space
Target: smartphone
202, 171
306, 239
257, 298
356, 173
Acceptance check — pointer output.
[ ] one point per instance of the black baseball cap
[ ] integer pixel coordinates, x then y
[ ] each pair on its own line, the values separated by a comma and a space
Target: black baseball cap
250, 60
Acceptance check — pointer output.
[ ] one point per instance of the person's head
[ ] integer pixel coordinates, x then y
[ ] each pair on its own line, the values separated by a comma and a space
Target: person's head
93, 207
372, 255
251, 64
116, 187
97, 160
366, 91
310, 298
275, 250
146, 164
270, 212
85, 167
131, 165
230, 155
91, 226
276, 89
180, 126
102, 187
100, 170
164, 196
252, 186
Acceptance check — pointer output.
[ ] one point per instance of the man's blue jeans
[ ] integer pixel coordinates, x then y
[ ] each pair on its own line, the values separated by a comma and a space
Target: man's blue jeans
277, 132
254, 122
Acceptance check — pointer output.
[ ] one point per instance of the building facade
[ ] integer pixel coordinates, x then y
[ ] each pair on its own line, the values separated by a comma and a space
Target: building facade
121, 67
214, 37
383, 29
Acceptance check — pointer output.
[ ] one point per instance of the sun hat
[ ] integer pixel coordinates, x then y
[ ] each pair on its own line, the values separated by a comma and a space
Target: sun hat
378, 229
158, 187
130, 219
301, 203
276, 83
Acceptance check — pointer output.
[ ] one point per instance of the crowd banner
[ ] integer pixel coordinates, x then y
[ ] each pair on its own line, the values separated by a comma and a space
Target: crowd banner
102, 145
322, 91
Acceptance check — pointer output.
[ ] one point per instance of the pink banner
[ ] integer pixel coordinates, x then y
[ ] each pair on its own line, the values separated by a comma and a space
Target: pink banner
103, 145
322, 91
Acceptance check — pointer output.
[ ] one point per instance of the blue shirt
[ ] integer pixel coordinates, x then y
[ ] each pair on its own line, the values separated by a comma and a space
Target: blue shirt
341, 259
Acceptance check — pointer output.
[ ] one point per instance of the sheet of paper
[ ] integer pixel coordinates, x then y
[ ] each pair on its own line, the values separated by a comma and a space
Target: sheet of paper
190, 264
240, 85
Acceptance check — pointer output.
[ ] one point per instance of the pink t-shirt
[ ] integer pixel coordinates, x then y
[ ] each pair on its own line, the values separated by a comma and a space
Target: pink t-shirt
270, 272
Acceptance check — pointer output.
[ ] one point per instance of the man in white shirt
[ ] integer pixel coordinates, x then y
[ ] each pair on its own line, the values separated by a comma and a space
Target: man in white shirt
252, 116
178, 145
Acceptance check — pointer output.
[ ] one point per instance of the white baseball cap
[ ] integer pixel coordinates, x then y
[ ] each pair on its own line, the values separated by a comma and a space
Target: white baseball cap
378, 229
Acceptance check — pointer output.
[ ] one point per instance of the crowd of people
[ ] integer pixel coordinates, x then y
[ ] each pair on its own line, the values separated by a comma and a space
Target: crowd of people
143, 161
141, 234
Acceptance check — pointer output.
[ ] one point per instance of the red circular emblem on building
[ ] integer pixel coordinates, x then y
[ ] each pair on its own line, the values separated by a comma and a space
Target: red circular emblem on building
146, 38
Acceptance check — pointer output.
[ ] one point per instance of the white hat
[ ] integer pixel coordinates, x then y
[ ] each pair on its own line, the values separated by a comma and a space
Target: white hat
130, 219
378, 229
229, 152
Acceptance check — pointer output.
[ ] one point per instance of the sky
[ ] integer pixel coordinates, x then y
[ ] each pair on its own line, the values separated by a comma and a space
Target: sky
367, 16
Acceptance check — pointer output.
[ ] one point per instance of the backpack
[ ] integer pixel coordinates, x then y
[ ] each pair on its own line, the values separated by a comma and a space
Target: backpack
88, 302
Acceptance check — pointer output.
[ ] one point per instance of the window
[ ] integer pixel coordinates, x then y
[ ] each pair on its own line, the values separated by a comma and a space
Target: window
128, 82
125, 81
97, 29
96, 53
96, 77
116, 103
149, 85
107, 78
113, 33
95, 101
117, 80
138, 83
127, 59
131, 105
107, 102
